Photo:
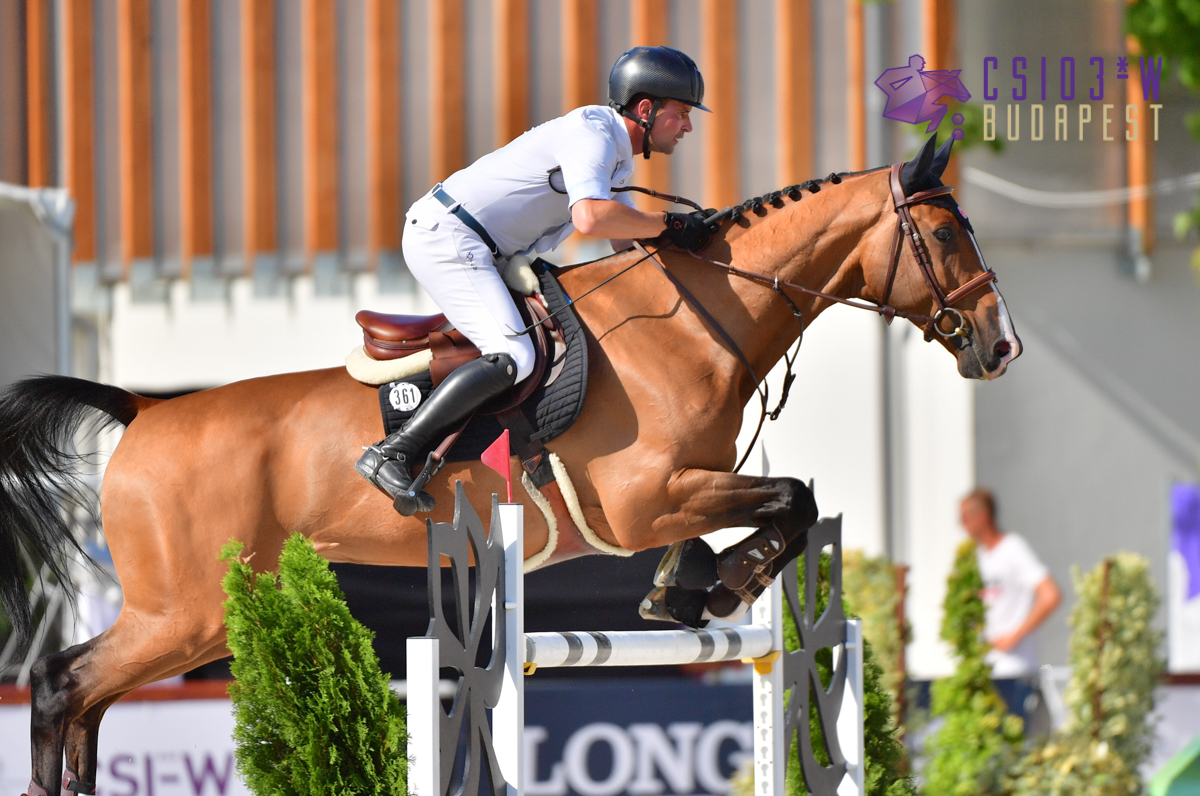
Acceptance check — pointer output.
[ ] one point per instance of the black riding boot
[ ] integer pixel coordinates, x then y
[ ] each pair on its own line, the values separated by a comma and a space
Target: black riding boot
393, 464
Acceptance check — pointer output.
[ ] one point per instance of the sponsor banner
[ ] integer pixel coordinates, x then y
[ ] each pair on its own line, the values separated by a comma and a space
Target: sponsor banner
637, 737
582, 738
160, 748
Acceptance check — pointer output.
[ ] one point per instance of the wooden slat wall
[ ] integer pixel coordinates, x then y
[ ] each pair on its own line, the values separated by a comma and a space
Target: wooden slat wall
719, 37
78, 120
37, 92
649, 26
447, 89
258, 128
195, 133
856, 112
940, 47
321, 162
1139, 154
384, 169
579, 48
135, 121
794, 89
511, 42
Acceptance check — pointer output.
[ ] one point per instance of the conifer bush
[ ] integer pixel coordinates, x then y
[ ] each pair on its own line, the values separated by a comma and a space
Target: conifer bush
314, 714
1114, 669
971, 752
869, 583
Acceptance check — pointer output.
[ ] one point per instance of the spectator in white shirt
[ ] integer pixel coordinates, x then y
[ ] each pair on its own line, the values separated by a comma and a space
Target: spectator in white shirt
1018, 592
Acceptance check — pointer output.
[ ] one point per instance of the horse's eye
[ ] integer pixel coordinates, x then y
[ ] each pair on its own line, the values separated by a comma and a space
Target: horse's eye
942, 234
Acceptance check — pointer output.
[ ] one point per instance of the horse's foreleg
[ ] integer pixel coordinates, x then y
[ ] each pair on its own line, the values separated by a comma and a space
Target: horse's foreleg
781, 509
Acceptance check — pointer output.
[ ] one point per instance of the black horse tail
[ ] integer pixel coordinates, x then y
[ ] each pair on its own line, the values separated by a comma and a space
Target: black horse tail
40, 481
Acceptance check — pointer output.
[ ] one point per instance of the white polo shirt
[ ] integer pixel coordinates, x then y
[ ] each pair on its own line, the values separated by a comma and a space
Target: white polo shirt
1011, 573
509, 192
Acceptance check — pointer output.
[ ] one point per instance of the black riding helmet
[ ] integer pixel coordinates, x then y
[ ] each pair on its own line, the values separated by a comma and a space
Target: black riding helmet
659, 72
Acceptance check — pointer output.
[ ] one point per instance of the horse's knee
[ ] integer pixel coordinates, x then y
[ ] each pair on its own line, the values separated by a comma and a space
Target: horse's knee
797, 505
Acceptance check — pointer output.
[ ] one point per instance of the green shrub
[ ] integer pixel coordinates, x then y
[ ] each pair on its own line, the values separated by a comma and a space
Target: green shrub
978, 742
1115, 667
314, 714
870, 588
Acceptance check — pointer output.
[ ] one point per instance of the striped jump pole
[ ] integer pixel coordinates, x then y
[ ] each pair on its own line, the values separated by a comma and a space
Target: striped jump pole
759, 643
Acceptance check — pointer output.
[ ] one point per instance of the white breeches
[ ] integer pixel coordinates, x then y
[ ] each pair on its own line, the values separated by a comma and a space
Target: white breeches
459, 272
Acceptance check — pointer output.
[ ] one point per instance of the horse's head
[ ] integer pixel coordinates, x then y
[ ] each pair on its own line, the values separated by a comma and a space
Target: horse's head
934, 268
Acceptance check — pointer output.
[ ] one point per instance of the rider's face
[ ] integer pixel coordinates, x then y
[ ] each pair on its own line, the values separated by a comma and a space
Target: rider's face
672, 123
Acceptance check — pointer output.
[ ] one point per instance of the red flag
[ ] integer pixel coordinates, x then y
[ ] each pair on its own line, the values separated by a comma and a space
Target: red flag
497, 457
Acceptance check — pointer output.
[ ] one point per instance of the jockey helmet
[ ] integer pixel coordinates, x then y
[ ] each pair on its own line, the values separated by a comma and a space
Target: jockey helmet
660, 73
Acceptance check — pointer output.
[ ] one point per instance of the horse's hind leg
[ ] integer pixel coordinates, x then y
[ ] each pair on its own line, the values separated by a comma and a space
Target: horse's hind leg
51, 710
72, 689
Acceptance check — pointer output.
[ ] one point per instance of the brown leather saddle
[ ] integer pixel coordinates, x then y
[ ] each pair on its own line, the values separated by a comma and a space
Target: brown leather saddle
387, 337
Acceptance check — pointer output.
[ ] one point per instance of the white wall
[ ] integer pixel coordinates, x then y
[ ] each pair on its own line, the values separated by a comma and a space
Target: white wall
185, 344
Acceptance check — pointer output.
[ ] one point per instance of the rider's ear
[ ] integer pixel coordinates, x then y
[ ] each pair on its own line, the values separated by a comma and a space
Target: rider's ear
915, 170
941, 158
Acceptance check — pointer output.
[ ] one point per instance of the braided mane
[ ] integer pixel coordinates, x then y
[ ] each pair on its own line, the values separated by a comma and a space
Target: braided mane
793, 192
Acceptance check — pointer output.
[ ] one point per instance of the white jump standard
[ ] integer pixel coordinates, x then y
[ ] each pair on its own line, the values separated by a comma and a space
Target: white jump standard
499, 748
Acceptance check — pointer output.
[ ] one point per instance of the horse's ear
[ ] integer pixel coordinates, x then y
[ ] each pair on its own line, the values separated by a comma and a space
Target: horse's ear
914, 171
941, 158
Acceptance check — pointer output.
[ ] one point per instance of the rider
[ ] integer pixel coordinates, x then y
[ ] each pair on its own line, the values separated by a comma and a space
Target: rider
528, 196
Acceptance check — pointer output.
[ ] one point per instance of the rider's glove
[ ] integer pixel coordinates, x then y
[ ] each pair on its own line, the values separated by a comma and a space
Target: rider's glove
687, 230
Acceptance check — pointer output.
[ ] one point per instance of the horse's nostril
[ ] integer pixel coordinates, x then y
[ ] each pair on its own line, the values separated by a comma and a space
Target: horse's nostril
1003, 349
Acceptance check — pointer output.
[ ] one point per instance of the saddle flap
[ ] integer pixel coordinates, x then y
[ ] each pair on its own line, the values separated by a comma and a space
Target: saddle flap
403, 329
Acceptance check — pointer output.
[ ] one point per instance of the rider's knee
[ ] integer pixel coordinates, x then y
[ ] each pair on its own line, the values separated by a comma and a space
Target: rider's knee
521, 350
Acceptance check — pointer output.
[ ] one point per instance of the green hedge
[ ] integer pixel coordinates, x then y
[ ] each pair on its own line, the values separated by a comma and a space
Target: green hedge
314, 714
978, 742
1115, 667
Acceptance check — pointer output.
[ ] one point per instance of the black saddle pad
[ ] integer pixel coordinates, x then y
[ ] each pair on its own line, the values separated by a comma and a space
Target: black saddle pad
551, 409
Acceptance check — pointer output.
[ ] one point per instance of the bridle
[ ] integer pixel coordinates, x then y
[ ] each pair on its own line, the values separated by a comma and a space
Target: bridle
907, 228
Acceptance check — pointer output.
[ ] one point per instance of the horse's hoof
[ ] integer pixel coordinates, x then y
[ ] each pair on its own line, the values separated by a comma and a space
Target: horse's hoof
410, 503
690, 564
723, 604
654, 605
673, 604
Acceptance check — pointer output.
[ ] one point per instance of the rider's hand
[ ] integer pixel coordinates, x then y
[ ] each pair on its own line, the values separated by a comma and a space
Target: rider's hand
687, 230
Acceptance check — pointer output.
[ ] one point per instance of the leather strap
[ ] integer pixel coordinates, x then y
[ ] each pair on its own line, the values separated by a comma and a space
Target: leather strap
70, 782
457, 209
35, 789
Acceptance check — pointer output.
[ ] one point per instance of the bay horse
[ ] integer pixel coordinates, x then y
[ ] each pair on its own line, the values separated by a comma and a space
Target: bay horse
651, 454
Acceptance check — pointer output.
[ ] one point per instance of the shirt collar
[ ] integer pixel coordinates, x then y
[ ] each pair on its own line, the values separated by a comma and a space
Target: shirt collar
621, 135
